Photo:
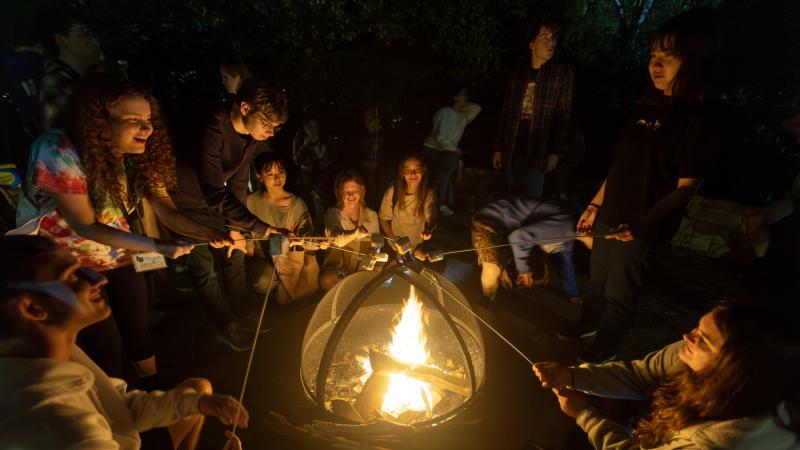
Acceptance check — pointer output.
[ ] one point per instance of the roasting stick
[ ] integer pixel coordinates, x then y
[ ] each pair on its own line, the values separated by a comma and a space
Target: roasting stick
553, 240
469, 310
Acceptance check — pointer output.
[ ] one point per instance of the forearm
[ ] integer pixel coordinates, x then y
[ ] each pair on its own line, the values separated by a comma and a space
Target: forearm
386, 227
600, 195
672, 202
603, 433
160, 409
176, 221
113, 237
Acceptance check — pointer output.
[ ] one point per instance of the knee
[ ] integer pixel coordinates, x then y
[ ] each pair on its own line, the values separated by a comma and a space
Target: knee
201, 385
328, 280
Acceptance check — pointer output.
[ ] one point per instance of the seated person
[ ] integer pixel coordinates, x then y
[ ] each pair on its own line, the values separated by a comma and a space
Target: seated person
349, 222
53, 395
408, 208
730, 383
298, 271
520, 219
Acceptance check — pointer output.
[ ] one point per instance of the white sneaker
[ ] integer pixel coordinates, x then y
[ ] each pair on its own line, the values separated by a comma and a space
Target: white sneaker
446, 211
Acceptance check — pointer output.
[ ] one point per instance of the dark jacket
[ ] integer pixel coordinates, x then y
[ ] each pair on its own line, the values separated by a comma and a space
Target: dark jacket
551, 110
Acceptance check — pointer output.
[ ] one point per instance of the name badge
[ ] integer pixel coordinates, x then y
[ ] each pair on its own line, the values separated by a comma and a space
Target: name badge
143, 262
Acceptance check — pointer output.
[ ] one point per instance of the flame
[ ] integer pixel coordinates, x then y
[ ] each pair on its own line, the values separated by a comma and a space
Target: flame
409, 345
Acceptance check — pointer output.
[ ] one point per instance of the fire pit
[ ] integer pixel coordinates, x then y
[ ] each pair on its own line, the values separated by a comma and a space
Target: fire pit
393, 345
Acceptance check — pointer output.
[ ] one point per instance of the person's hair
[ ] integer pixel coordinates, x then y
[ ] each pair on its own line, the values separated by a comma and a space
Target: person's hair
401, 187
536, 26
694, 38
264, 161
57, 22
756, 370
18, 264
344, 177
263, 97
235, 66
87, 122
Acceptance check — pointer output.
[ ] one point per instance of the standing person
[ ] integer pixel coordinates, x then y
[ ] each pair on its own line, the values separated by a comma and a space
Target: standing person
441, 145
535, 114
82, 190
213, 173
296, 273
731, 383
72, 48
521, 219
349, 223
54, 396
233, 72
316, 161
666, 149
408, 208
375, 164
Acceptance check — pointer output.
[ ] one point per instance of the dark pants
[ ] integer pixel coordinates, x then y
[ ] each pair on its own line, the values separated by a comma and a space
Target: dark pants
126, 293
615, 273
443, 165
206, 264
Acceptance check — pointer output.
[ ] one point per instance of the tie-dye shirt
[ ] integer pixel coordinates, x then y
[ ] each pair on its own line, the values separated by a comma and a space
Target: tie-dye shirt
55, 166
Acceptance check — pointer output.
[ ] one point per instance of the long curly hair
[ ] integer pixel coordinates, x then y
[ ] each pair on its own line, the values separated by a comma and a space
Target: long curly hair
88, 125
756, 371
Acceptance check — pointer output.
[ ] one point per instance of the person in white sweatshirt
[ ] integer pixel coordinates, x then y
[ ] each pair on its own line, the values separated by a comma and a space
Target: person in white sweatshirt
51, 394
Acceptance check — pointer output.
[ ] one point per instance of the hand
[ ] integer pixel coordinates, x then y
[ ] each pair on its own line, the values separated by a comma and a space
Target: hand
572, 403
173, 250
273, 230
551, 163
218, 239
233, 442
362, 233
426, 235
553, 375
497, 160
238, 242
524, 279
223, 407
587, 220
623, 233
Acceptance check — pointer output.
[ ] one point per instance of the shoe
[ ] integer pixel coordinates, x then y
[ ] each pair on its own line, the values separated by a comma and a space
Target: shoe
593, 356
250, 321
572, 333
446, 211
236, 337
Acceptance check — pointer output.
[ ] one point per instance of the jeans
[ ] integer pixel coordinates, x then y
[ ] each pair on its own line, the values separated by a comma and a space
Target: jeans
526, 181
221, 296
443, 164
615, 275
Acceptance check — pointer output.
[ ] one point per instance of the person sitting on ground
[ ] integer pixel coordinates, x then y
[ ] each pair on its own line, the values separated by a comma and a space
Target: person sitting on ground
730, 383
350, 222
521, 219
83, 190
297, 272
408, 208
234, 72
441, 145
54, 396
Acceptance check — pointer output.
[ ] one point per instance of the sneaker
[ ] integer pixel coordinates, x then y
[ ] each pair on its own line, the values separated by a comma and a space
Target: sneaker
571, 334
236, 337
250, 321
446, 211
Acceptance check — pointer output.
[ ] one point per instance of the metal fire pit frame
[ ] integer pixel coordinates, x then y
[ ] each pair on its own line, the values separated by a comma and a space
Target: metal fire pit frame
389, 270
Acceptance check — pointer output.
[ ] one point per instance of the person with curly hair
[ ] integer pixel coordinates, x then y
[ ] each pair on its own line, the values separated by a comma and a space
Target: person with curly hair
730, 383
82, 191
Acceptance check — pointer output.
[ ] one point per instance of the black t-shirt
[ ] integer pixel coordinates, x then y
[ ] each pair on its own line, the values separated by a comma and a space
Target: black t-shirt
660, 144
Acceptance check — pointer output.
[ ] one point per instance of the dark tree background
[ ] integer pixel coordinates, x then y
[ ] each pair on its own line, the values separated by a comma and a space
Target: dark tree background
336, 57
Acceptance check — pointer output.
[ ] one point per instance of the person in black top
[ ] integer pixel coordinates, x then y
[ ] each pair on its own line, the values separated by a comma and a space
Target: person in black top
666, 149
213, 171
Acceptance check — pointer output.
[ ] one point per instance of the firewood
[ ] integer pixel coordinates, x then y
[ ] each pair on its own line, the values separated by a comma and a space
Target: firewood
438, 378
370, 400
345, 410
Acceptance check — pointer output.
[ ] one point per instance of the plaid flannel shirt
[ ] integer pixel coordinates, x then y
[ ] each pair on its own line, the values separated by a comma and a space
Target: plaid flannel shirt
552, 104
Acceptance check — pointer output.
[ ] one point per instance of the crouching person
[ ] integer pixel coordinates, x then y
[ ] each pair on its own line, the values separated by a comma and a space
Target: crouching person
523, 219
297, 272
51, 394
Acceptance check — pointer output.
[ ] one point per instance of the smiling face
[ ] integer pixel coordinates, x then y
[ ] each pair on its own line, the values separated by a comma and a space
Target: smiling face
130, 124
259, 124
703, 344
273, 177
352, 193
663, 67
413, 171
59, 265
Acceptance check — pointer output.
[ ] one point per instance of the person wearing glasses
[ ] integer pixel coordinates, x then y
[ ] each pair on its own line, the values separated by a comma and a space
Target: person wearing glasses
409, 208
213, 173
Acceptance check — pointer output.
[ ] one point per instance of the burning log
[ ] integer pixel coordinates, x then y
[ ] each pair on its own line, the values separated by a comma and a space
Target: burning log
370, 401
439, 379
344, 409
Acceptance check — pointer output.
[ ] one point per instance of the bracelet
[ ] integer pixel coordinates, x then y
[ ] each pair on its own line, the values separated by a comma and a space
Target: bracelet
594, 205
